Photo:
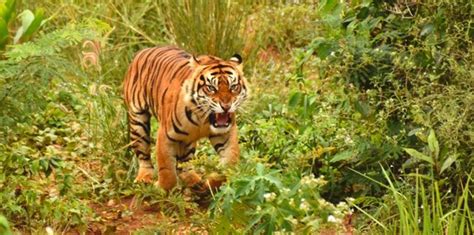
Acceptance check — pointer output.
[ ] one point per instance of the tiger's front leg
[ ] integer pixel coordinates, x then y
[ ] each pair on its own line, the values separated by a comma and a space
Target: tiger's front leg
227, 146
169, 152
166, 150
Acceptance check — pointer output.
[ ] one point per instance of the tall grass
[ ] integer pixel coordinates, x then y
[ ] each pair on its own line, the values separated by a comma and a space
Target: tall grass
423, 209
206, 27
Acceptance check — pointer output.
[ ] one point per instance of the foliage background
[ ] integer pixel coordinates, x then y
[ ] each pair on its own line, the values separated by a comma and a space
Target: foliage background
361, 117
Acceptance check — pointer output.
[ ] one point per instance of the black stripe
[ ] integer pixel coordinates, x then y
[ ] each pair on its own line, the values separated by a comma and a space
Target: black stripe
177, 70
140, 139
144, 126
186, 155
228, 72
145, 64
177, 130
184, 55
189, 115
157, 70
176, 113
141, 155
194, 102
221, 66
141, 112
218, 147
154, 70
173, 140
163, 96
214, 136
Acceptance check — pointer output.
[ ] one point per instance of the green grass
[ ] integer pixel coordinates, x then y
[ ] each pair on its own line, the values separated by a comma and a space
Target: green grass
421, 209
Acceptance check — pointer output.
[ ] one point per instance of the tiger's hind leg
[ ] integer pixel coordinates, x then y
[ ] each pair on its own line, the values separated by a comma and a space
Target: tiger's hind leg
139, 123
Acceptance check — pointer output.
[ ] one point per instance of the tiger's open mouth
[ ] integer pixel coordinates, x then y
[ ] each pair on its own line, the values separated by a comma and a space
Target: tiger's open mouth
220, 120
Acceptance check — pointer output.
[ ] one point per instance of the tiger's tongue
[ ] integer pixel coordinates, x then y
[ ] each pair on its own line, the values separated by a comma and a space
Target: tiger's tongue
222, 119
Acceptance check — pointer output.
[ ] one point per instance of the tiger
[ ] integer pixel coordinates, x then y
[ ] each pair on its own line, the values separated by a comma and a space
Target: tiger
192, 97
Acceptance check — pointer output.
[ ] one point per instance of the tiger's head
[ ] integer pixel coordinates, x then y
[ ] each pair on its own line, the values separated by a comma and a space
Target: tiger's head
217, 89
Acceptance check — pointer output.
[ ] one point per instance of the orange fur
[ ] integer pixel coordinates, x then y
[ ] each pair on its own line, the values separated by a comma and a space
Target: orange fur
192, 98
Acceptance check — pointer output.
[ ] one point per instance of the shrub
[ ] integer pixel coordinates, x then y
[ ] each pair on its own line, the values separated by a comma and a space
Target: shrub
206, 27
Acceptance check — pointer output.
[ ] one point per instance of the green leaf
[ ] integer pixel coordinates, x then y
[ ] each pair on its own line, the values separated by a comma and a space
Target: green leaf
448, 162
418, 155
4, 226
36, 24
433, 144
273, 180
260, 168
27, 18
294, 99
427, 29
7, 9
329, 6
341, 156
362, 107
3, 33
324, 49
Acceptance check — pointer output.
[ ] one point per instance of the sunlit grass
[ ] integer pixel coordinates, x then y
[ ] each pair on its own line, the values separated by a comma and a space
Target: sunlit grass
422, 209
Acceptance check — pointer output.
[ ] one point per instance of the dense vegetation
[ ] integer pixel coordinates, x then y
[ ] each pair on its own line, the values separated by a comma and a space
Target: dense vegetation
360, 119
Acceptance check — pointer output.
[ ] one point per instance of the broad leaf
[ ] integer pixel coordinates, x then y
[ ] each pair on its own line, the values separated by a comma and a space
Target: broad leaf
36, 24
433, 143
418, 155
341, 156
448, 162
27, 18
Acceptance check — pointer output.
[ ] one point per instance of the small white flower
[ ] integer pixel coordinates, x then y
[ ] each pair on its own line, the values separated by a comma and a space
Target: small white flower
332, 219
292, 220
304, 205
269, 196
342, 205
49, 230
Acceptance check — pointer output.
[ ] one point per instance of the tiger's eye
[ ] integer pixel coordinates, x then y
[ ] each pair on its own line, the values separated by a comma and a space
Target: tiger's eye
211, 89
235, 88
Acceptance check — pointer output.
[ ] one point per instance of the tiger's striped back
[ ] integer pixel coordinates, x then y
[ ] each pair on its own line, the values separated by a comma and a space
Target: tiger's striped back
151, 70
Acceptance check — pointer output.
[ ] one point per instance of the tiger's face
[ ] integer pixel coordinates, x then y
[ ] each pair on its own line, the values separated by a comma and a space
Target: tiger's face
218, 90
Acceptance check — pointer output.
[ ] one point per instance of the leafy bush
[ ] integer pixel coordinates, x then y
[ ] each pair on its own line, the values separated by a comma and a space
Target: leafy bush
271, 200
36, 172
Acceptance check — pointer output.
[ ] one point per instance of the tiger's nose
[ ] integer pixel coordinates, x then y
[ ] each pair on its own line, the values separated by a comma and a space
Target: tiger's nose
225, 106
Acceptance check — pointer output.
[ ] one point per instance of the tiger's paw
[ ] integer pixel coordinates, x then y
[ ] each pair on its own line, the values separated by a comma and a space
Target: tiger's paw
145, 175
214, 181
190, 178
209, 185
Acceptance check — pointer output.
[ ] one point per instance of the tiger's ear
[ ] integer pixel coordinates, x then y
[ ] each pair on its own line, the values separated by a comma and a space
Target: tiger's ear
194, 61
236, 58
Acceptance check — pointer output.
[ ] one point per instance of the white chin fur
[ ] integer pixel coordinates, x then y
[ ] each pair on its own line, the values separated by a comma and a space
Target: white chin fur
220, 130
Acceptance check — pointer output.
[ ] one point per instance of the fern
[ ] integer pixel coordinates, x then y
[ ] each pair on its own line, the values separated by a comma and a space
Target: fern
30, 67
